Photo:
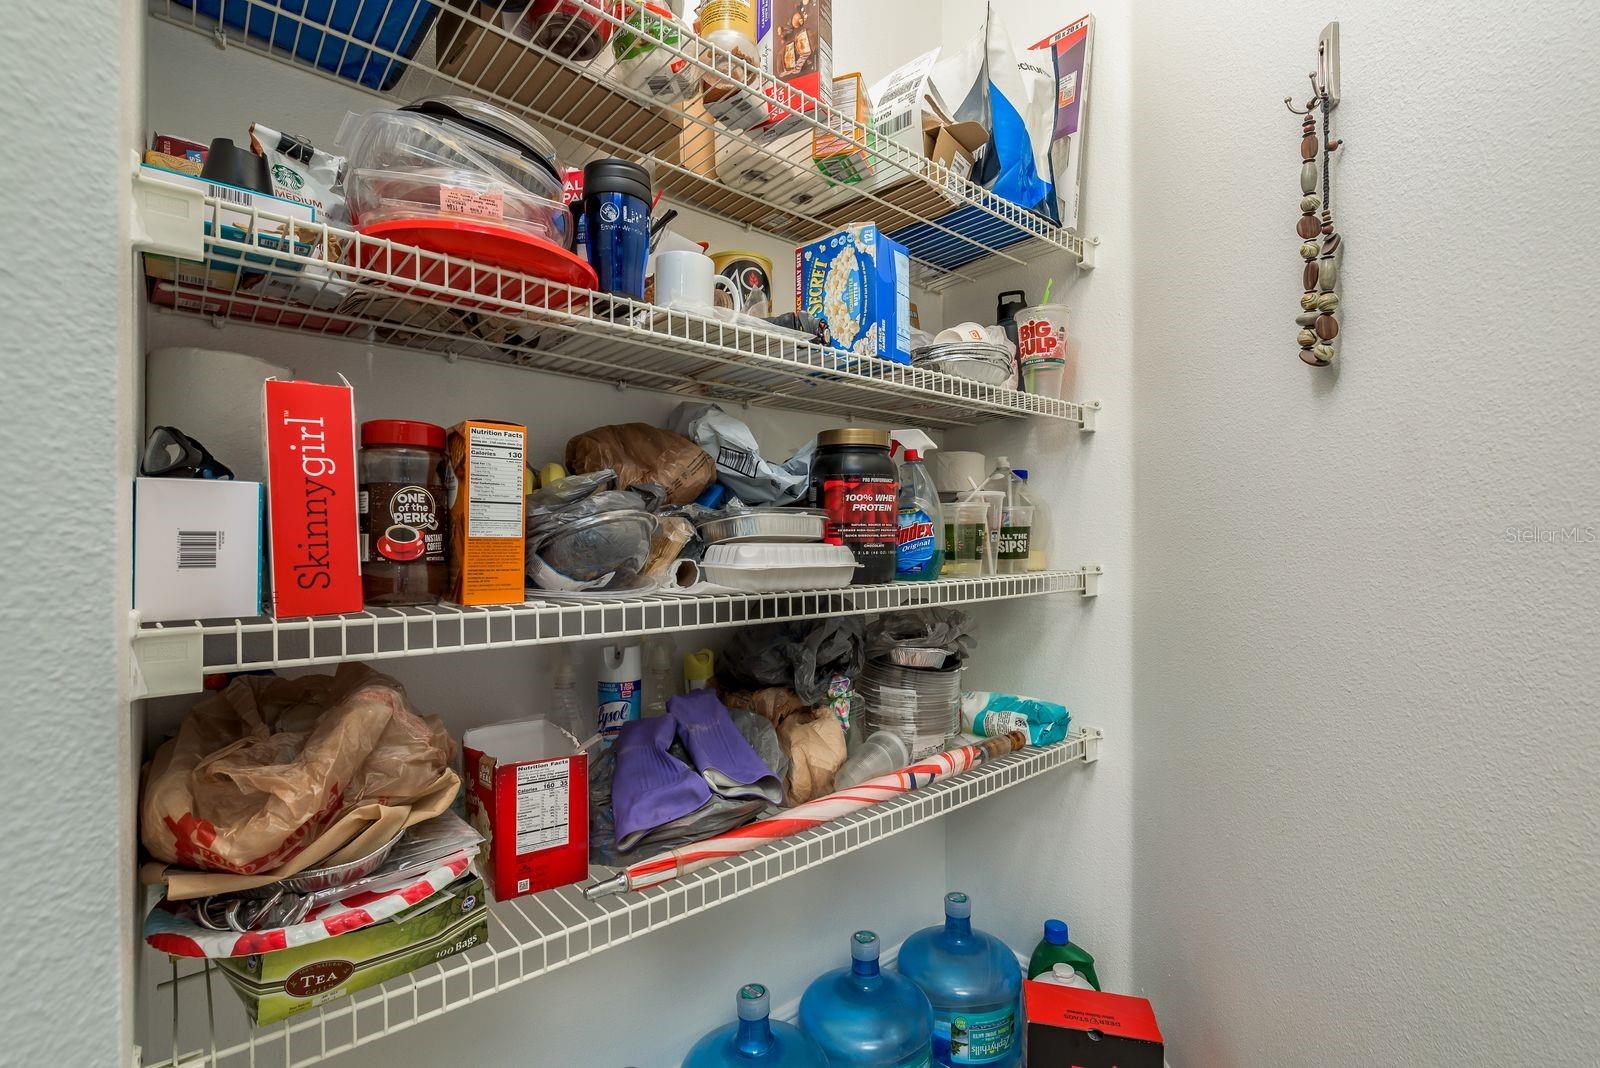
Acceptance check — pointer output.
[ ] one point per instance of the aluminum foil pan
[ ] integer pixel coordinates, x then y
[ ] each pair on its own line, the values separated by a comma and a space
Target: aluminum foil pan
765, 524
976, 360
309, 882
909, 656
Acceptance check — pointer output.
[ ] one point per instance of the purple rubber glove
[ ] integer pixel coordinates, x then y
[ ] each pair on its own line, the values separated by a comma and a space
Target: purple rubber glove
652, 787
719, 751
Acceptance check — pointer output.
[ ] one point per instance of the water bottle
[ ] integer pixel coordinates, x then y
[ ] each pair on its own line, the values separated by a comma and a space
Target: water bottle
564, 710
974, 984
755, 1040
866, 1018
659, 678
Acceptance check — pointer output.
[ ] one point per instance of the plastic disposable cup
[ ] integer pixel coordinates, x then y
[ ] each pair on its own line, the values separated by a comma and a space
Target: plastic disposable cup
881, 753
1042, 333
1016, 530
1044, 377
966, 542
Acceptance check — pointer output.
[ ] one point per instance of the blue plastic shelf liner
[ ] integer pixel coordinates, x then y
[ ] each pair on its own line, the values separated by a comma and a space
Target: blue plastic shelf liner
984, 234
396, 26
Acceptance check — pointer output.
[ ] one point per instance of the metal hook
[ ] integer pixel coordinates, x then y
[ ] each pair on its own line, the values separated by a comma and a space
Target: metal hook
1316, 96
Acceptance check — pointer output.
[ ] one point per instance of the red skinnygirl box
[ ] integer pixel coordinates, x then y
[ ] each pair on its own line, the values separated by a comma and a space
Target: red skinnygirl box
314, 546
1073, 1028
528, 795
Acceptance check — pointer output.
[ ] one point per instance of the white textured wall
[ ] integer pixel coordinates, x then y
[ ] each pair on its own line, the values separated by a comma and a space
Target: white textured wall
1365, 811
65, 297
1062, 845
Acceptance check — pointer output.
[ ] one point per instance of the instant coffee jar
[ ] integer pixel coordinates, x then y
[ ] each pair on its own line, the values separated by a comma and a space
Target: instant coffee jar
405, 512
854, 481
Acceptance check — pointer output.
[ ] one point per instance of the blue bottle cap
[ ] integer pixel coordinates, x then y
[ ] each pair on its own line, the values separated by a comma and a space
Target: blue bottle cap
1055, 932
864, 946
753, 1002
1020, 472
957, 905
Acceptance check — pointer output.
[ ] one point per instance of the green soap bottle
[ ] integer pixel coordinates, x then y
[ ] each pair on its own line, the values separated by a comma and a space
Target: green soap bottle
1055, 949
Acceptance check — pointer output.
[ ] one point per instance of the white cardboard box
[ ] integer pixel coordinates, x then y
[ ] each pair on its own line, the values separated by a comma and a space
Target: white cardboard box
196, 549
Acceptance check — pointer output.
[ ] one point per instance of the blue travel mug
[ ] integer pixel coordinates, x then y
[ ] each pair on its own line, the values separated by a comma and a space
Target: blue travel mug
616, 209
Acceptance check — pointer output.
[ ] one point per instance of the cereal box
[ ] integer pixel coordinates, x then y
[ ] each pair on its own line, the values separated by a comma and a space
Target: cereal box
858, 282
487, 459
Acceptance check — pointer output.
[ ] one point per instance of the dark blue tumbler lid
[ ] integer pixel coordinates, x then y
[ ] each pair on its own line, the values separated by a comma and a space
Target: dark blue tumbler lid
616, 176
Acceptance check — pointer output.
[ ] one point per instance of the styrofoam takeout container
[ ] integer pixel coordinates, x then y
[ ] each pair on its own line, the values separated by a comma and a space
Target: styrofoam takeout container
772, 567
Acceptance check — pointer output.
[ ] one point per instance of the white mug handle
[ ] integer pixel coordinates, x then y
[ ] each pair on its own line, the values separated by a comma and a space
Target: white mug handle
722, 281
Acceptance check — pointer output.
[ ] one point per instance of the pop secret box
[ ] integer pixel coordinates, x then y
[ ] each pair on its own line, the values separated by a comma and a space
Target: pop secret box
858, 282
314, 545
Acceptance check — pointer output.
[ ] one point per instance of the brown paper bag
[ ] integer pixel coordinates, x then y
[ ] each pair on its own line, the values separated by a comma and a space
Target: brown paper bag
262, 770
639, 452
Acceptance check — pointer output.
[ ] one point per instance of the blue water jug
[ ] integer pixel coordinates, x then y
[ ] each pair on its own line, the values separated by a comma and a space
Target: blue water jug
866, 1018
973, 981
755, 1041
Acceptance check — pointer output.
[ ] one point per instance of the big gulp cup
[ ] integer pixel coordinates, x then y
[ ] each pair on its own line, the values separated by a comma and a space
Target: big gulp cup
1042, 341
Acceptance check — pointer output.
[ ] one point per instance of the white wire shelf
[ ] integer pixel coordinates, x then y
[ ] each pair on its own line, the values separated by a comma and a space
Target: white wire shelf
224, 262
196, 1020
174, 657
768, 181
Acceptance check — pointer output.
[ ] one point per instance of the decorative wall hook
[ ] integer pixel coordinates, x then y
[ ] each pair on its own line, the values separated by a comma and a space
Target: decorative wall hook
1321, 246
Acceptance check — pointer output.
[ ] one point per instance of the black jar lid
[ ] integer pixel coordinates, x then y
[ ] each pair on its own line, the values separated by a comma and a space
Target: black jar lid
616, 176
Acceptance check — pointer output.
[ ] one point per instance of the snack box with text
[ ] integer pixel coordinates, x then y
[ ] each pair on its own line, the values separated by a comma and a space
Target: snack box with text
487, 459
858, 282
527, 789
196, 548
314, 545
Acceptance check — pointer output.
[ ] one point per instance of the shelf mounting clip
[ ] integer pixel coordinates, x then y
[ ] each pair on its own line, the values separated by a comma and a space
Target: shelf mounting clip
1091, 579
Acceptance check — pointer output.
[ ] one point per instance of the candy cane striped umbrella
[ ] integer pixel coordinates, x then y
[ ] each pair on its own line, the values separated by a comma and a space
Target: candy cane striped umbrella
925, 772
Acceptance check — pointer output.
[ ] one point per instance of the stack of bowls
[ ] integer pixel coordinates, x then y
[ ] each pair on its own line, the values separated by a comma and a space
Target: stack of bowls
921, 705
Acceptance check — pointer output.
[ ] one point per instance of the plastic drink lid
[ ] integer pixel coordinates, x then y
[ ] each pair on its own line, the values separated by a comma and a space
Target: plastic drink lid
753, 1002
864, 946
1055, 932
957, 905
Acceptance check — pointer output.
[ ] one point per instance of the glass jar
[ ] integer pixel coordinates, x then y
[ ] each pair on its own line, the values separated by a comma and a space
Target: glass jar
405, 513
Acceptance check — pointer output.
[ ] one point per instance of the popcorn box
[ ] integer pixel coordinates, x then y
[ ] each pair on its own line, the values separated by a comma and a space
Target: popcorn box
858, 282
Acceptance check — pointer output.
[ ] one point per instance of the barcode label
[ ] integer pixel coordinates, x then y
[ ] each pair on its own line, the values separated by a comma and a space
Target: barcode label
198, 549
896, 123
233, 196
736, 460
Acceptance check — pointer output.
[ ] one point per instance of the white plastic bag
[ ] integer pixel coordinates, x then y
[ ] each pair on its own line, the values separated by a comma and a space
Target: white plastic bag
739, 464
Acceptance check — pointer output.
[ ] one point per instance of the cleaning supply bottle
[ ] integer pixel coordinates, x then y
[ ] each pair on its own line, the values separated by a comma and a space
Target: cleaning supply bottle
659, 684
1036, 535
564, 711
1012, 534
755, 1040
974, 984
1055, 949
863, 1017
619, 693
919, 543
698, 669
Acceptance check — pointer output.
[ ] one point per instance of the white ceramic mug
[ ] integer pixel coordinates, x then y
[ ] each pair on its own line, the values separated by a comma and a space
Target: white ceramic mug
690, 279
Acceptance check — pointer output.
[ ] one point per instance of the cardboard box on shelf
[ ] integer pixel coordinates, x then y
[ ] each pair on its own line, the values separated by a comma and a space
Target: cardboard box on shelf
196, 549
956, 146
311, 498
844, 153
1070, 1027
487, 458
800, 55
858, 282
527, 790
275, 986
905, 104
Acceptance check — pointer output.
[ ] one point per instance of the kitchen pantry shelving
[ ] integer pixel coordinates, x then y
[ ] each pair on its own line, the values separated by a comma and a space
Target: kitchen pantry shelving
530, 936
340, 283
955, 229
173, 658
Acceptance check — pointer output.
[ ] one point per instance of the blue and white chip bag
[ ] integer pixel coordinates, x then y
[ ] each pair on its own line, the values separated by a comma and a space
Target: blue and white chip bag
858, 282
990, 715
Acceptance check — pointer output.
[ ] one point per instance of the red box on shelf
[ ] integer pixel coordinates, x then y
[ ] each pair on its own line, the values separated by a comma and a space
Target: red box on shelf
528, 795
1069, 1027
311, 498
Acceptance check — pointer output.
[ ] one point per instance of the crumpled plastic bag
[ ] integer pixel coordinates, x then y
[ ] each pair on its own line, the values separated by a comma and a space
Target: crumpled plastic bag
801, 656
260, 770
812, 738
639, 452
949, 629
739, 465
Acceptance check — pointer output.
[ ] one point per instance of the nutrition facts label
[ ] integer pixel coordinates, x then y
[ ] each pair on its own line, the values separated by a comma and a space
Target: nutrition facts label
542, 805
495, 494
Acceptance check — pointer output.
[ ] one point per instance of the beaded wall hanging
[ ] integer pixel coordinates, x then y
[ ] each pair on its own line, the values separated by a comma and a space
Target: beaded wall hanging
1321, 246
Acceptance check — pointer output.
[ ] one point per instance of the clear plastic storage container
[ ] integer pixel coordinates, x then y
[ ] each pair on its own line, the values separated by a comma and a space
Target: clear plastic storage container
451, 157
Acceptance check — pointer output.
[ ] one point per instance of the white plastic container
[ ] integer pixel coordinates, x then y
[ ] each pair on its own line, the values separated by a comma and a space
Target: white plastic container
765, 567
